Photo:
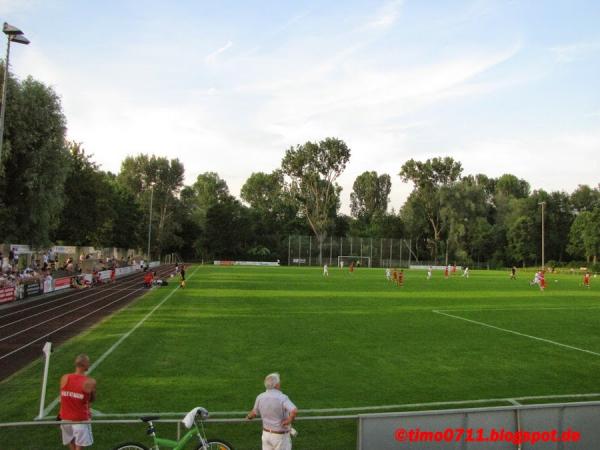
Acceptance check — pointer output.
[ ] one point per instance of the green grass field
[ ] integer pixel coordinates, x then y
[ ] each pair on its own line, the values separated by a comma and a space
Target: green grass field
348, 341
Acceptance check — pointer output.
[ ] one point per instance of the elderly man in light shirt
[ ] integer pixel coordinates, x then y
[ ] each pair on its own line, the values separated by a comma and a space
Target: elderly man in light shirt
277, 412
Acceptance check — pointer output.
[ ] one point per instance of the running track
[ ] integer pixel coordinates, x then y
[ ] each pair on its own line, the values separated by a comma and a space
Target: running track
25, 327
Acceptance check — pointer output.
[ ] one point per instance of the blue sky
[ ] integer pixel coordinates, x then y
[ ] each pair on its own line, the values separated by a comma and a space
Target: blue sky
503, 86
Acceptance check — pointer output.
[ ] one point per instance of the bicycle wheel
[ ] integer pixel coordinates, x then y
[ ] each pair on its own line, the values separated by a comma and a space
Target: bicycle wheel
131, 446
215, 444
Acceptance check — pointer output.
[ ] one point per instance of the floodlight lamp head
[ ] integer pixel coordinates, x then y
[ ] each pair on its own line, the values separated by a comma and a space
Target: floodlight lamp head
19, 39
10, 30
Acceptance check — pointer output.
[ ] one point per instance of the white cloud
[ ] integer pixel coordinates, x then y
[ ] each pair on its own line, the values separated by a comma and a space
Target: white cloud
573, 52
385, 16
211, 58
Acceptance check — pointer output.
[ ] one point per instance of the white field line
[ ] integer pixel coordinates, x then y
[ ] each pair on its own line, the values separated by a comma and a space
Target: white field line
526, 308
548, 341
513, 401
107, 353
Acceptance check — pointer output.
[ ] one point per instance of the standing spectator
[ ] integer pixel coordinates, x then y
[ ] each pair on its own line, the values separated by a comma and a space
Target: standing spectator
277, 412
77, 391
1, 261
11, 256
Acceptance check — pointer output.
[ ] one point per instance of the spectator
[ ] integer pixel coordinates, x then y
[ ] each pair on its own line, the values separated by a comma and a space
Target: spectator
77, 391
277, 413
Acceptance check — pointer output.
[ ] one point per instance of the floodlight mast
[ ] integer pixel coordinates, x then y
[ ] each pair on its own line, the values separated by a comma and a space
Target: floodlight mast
13, 34
543, 246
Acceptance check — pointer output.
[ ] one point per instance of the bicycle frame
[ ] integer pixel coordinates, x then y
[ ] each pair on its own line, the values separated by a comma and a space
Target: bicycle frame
177, 445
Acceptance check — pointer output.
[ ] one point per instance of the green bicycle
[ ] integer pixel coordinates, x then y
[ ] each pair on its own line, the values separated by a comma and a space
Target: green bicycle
196, 430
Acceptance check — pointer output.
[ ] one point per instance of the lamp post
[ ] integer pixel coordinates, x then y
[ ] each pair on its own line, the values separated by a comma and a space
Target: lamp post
13, 34
150, 221
543, 246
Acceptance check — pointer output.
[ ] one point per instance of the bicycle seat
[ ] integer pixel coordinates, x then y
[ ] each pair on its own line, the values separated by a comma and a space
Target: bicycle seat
149, 418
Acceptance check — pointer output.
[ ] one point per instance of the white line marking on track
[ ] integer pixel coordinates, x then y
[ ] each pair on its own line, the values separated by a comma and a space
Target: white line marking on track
506, 330
513, 401
54, 402
60, 328
56, 317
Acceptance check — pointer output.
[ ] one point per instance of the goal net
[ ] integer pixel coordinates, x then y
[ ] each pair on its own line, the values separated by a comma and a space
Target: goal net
359, 261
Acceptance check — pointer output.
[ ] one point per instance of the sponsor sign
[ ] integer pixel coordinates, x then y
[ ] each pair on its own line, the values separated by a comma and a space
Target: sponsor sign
48, 287
420, 267
64, 249
32, 289
62, 283
245, 263
20, 249
7, 294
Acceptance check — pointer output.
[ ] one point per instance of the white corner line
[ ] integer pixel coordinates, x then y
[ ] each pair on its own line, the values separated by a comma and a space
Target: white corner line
506, 330
107, 353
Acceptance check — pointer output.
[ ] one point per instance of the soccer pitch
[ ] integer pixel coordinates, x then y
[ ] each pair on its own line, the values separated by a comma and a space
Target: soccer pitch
346, 344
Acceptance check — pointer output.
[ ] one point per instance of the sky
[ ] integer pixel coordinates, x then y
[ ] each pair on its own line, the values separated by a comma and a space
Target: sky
227, 86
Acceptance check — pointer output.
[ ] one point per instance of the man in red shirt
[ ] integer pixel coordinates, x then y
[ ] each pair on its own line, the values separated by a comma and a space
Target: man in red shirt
77, 391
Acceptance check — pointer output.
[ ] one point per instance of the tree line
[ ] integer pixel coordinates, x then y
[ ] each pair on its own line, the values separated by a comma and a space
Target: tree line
51, 191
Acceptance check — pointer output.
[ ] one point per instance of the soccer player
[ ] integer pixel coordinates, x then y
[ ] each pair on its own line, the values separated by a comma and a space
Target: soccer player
182, 276
542, 280
446, 269
536, 279
400, 278
388, 274
586, 279
341, 263
429, 272
395, 276
454, 268
466, 272
325, 270
513, 273
351, 267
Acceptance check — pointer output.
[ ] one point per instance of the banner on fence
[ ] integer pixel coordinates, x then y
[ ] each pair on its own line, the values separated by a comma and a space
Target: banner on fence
7, 294
64, 249
20, 249
62, 283
246, 263
32, 289
423, 267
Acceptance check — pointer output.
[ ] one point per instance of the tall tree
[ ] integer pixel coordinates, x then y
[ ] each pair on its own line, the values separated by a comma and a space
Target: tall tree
160, 180
370, 195
313, 169
34, 163
584, 235
429, 178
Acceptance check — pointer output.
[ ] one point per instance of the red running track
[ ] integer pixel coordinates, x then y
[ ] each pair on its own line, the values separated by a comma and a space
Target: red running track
25, 327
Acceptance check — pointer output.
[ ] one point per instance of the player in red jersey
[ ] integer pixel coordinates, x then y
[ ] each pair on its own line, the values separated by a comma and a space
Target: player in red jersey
77, 391
586, 279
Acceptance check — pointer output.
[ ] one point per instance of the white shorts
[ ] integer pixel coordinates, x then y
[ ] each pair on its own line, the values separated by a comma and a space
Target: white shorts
274, 441
80, 433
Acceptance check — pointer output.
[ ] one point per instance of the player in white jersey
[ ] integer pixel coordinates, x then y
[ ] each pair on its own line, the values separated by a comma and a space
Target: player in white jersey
325, 270
429, 271
466, 272
388, 274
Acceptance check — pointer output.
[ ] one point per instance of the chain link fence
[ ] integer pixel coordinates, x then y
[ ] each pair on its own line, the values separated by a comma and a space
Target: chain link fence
372, 252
